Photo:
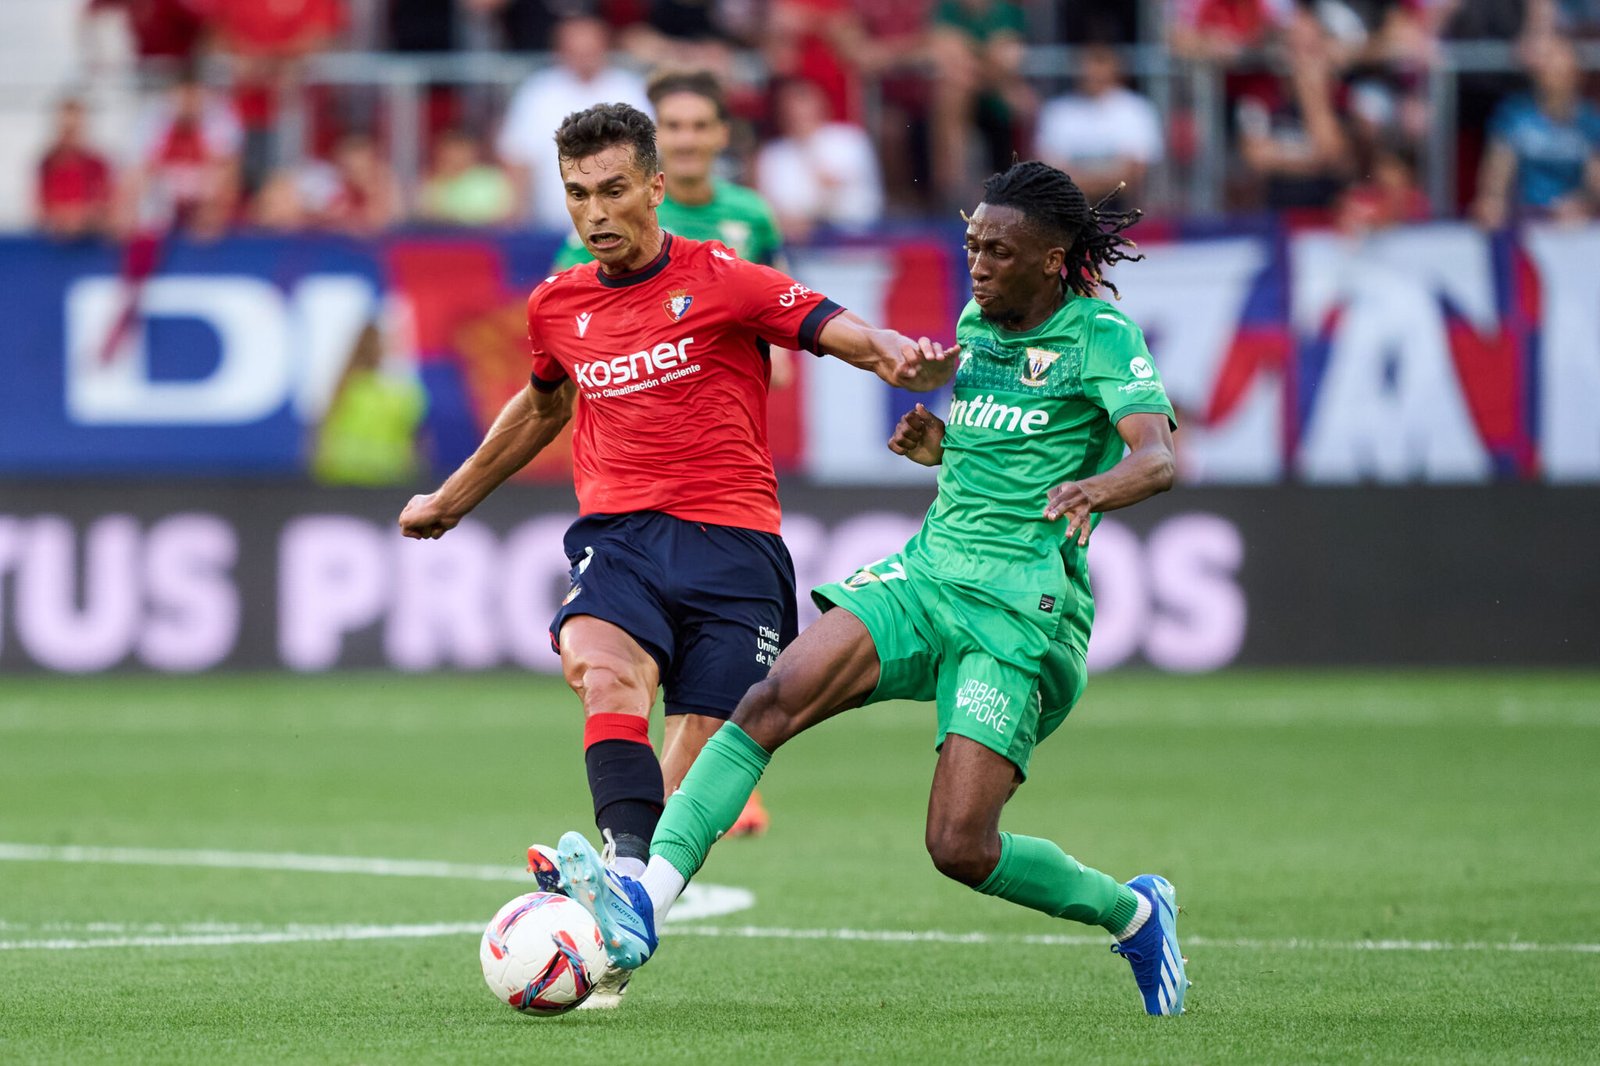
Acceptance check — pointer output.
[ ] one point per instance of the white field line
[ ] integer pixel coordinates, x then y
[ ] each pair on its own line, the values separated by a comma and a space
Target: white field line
255, 860
936, 936
211, 934
700, 900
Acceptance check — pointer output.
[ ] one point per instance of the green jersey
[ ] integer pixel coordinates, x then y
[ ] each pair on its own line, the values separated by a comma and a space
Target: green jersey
735, 215
1030, 411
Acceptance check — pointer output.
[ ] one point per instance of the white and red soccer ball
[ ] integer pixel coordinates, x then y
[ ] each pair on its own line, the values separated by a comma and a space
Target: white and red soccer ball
542, 953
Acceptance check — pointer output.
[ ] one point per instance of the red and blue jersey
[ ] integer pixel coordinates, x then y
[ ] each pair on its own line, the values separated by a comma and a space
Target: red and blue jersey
671, 370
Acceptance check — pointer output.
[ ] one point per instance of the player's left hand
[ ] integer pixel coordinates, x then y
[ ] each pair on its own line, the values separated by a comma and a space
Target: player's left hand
919, 436
1068, 500
921, 364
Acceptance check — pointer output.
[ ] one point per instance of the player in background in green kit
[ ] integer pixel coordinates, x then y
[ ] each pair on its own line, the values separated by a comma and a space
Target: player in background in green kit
691, 133
1058, 416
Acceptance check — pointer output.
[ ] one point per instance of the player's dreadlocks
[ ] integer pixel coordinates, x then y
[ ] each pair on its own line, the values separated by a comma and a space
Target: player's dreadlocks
1092, 236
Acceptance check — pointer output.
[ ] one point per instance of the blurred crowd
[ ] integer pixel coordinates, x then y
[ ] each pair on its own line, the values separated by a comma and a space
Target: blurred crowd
840, 112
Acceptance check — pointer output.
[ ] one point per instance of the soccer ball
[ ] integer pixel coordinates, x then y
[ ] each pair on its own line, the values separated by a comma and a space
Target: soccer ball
542, 954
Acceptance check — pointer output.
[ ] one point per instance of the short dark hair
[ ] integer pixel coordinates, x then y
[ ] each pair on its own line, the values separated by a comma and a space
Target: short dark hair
701, 83
583, 133
1052, 201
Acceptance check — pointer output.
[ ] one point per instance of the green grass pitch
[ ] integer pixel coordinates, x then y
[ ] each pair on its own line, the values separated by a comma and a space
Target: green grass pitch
1375, 867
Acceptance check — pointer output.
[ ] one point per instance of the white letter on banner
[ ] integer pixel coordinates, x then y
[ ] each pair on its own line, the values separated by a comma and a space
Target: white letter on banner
807, 540
866, 537
252, 378
1121, 594
1569, 350
329, 311
55, 631
1189, 297
333, 579
1194, 559
1390, 405
445, 591
193, 607
847, 418
530, 585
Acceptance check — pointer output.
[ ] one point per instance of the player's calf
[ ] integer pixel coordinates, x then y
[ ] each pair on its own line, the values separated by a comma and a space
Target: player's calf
764, 717
961, 854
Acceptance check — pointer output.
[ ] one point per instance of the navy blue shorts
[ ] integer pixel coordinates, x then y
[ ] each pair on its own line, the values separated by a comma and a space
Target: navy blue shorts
713, 605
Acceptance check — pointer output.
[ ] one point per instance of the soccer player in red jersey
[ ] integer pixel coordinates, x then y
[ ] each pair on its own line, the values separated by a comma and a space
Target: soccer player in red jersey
657, 352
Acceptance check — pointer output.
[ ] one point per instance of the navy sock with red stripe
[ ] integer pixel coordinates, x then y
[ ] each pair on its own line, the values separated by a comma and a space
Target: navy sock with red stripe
624, 780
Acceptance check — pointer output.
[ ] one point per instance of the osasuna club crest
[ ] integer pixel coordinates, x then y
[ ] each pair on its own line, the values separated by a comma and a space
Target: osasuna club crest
677, 304
1039, 361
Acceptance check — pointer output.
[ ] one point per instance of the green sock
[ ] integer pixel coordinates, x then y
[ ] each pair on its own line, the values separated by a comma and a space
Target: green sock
1037, 874
709, 801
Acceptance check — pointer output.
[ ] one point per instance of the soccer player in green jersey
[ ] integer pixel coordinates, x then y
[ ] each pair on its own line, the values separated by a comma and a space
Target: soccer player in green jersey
691, 132
1058, 416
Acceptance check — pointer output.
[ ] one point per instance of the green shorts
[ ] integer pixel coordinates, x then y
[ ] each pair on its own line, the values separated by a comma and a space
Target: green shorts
998, 674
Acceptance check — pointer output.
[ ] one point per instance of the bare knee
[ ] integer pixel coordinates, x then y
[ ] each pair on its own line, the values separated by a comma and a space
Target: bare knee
610, 688
763, 716
963, 854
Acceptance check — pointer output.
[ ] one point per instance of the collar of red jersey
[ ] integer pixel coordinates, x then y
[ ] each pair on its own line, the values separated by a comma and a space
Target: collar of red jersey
644, 273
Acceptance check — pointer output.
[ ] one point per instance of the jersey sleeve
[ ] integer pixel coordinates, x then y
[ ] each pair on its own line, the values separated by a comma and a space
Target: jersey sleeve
1118, 373
779, 309
548, 374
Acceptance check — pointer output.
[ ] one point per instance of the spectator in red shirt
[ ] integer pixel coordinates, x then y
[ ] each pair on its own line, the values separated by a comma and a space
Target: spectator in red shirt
163, 31
1388, 196
276, 29
74, 191
186, 172
816, 40
358, 194
266, 40
1223, 30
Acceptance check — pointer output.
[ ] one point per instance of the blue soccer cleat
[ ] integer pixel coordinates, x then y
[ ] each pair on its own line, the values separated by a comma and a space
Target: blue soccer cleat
1153, 950
620, 905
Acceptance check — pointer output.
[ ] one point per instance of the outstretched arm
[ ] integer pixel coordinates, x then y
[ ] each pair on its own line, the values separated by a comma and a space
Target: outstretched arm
1147, 469
920, 365
527, 423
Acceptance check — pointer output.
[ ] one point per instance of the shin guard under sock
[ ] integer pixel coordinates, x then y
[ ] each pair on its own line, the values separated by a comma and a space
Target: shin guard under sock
624, 780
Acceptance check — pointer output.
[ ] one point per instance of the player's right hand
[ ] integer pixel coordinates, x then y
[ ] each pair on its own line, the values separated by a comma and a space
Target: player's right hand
919, 436
921, 365
424, 518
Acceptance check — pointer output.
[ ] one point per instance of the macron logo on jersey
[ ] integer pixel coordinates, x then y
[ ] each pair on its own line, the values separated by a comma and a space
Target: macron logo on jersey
984, 413
600, 373
583, 322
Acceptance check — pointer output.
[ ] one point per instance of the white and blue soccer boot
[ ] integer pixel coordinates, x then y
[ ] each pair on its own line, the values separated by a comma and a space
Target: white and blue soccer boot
1153, 950
620, 905
613, 982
